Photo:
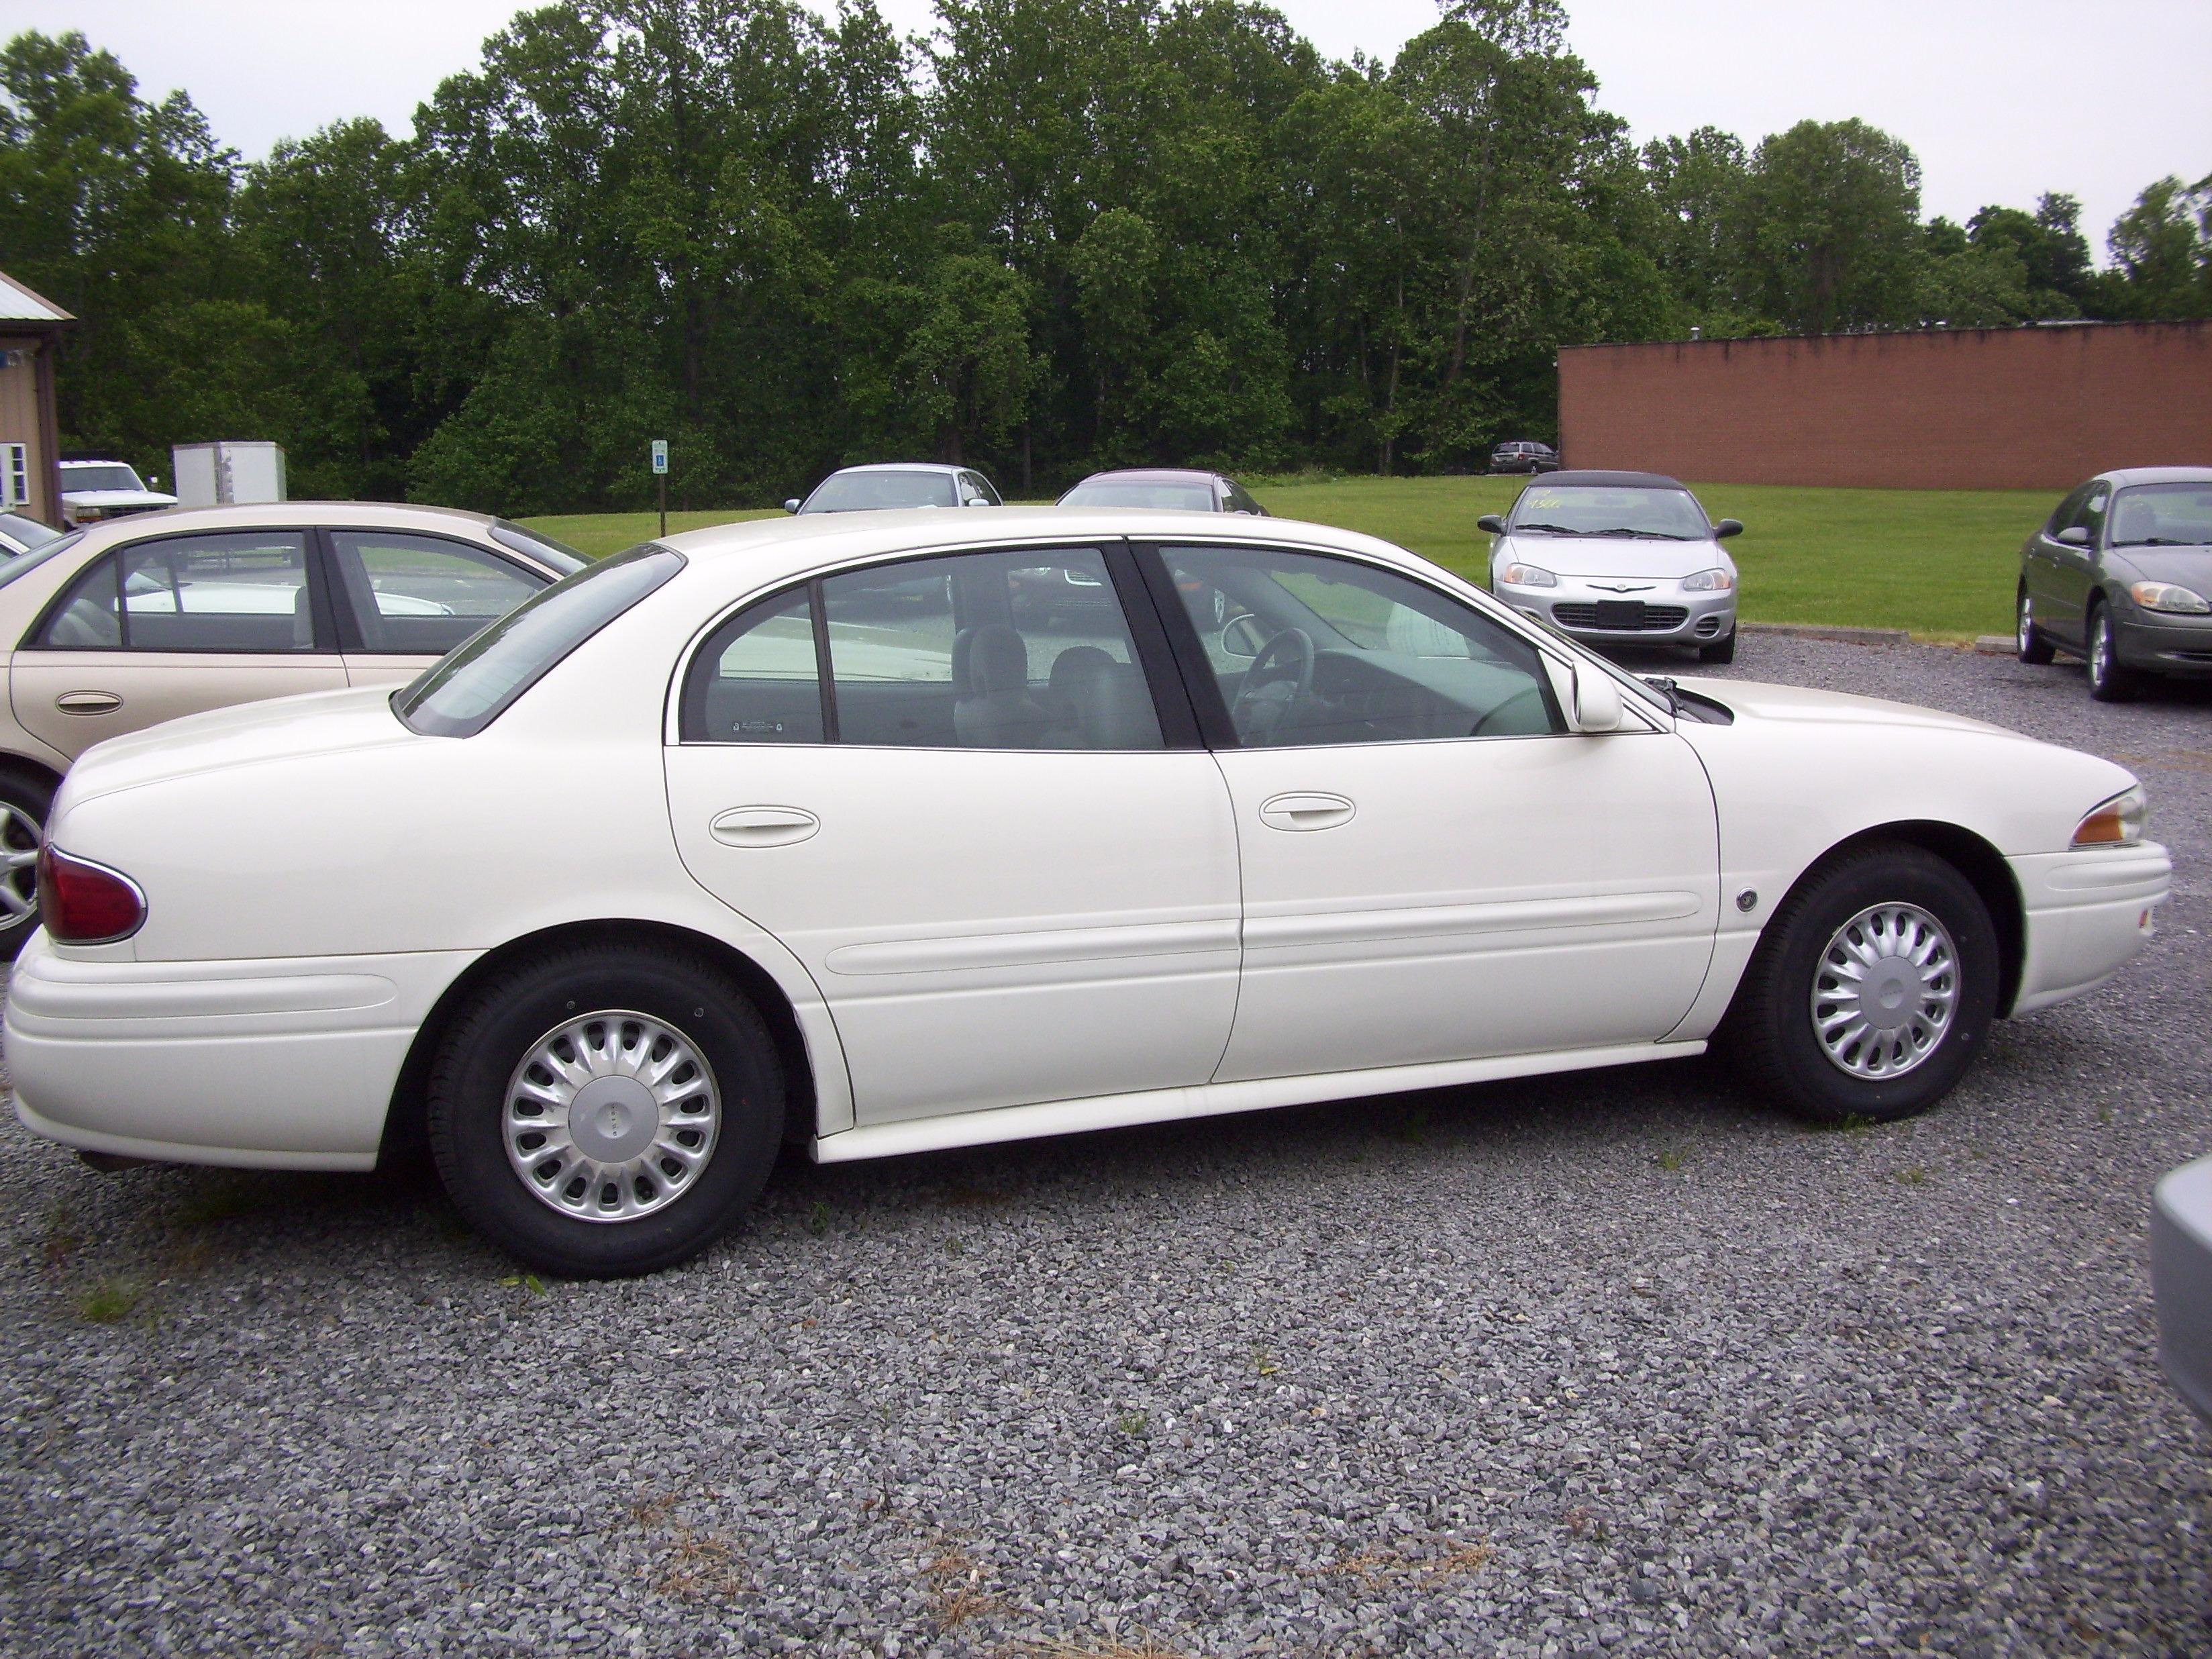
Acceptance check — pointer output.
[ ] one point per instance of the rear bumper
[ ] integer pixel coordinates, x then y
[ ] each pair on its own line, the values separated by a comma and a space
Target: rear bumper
2181, 1279
283, 1063
2087, 914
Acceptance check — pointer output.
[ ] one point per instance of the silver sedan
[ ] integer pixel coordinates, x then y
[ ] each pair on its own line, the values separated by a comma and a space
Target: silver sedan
1618, 558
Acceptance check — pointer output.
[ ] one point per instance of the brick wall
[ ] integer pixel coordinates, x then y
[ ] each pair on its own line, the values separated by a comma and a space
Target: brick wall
1944, 409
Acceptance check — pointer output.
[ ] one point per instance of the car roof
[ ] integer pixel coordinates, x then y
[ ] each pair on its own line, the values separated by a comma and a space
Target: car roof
2149, 475
1155, 474
1614, 480
905, 466
375, 515
777, 549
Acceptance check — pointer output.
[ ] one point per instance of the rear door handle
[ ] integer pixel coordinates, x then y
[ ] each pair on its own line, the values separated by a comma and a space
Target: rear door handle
88, 702
763, 826
1305, 811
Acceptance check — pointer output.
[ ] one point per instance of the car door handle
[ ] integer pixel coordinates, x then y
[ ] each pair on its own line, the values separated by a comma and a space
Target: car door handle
1305, 811
763, 826
88, 702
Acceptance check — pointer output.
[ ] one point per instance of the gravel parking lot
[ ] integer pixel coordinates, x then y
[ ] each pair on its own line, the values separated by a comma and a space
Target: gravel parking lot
1617, 1363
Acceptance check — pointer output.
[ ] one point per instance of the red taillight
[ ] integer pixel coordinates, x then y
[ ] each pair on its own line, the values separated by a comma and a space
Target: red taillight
85, 903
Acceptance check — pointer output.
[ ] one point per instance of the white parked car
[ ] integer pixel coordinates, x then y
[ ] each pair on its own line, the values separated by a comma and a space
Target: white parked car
107, 490
806, 858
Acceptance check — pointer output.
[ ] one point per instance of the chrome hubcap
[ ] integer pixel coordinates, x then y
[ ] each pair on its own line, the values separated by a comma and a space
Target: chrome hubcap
611, 1117
19, 834
2026, 623
1885, 991
2101, 649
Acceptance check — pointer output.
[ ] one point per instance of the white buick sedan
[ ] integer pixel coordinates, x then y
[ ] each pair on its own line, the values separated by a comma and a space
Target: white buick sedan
803, 829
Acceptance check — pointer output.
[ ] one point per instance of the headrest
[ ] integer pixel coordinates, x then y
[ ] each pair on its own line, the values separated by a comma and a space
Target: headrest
1077, 660
998, 661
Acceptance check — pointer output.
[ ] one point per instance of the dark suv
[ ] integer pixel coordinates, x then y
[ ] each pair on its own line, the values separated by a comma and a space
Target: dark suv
1525, 458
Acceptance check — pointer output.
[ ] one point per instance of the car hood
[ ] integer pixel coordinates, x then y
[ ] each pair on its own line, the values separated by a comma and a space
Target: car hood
118, 498
1603, 556
1754, 700
2186, 567
247, 734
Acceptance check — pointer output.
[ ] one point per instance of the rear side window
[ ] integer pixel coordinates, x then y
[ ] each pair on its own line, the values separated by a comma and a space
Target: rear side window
423, 594
466, 692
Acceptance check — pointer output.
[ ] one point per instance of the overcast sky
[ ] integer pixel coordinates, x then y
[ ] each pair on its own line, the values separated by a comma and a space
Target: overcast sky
2001, 99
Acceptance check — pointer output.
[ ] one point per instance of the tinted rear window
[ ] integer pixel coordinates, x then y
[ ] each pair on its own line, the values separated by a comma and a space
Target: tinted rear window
465, 691
554, 556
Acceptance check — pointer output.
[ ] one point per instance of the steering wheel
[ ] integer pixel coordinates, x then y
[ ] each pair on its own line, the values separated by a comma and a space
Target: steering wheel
1518, 707
1280, 679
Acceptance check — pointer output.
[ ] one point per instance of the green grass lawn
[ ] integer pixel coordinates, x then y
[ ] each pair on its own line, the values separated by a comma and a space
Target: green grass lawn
1942, 563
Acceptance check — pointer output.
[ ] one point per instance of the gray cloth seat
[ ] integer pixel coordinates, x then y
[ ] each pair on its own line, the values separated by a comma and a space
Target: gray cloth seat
998, 711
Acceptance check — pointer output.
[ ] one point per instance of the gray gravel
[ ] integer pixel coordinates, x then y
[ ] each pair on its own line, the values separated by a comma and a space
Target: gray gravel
1614, 1363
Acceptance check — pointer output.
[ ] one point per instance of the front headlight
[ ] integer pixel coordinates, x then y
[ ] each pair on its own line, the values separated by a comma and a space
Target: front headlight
2118, 823
1709, 581
2165, 596
1517, 575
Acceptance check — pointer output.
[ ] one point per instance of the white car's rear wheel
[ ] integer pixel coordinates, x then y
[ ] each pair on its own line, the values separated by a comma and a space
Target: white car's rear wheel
1872, 989
25, 803
606, 1109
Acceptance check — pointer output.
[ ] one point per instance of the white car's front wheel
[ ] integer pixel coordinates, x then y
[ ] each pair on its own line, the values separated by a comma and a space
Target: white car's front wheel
1872, 989
606, 1109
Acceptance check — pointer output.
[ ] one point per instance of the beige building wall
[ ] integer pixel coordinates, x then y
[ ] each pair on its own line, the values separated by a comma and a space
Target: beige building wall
27, 416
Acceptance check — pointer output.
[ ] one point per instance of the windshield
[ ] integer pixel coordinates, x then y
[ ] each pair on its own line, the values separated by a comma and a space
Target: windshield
26, 533
1609, 510
863, 492
107, 475
557, 555
1186, 495
2163, 515
474, 684
11, 568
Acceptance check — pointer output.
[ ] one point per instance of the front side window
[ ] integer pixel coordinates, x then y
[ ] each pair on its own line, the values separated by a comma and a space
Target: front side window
2091, 517
423, 594
241, 591
2163, 515
1319, 650
1664, 514
461, 694
1021, 650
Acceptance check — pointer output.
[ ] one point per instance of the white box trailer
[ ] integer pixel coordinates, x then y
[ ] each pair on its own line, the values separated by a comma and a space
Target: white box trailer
229, 473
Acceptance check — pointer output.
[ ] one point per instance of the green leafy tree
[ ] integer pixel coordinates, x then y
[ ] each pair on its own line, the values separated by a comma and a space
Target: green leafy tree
2161, 250
1829, 229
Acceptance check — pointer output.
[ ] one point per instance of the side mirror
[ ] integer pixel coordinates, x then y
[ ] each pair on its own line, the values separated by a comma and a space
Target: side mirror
1726, 528
1244, 637
792, 504
1492, 523
2074, 536
1597, 702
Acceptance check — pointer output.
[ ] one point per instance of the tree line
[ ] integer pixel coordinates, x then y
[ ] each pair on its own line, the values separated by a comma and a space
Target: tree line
1051, 236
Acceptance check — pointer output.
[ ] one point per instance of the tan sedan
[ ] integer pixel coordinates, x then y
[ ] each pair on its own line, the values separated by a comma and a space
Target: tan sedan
137, 619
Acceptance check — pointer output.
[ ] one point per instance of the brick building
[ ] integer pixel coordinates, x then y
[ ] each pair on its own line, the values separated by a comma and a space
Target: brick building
2039, 408
30, 332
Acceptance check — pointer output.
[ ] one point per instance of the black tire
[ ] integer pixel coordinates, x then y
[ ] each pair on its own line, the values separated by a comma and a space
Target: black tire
2032, 644
489, 1040
1769, 1031
26, 801
2111, 680
1723, 650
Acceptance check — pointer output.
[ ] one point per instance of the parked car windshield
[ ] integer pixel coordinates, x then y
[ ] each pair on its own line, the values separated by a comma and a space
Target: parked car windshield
466, 691
558, 556
27, 532
1609, 510
863, 492
11, 568
105, 476
1188, 494
2163, 515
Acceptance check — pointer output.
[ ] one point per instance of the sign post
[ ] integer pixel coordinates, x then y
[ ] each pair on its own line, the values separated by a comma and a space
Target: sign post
660, 473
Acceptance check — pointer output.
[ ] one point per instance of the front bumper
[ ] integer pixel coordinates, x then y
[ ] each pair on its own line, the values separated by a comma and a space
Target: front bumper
278, 1064
1670, 615
2162, 642
2181, 1279
2088, 913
